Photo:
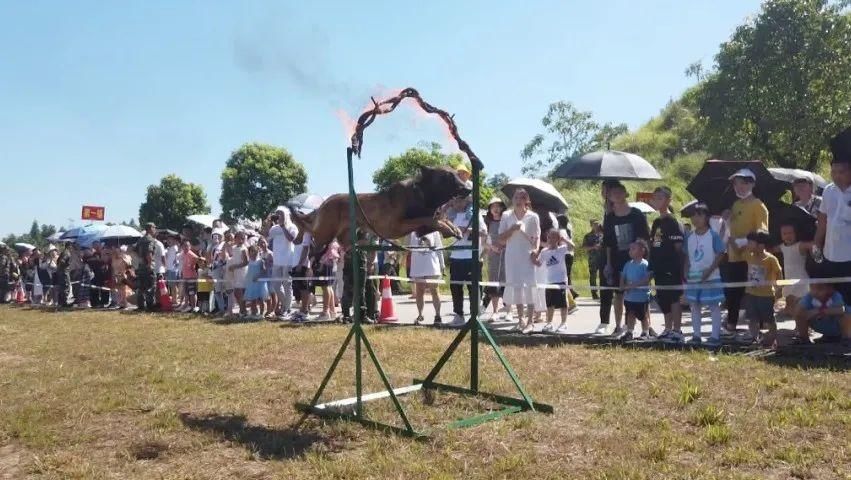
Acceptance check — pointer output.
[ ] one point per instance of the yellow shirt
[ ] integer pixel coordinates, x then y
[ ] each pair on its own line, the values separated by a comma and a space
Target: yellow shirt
747, 216
205, 283
764, 268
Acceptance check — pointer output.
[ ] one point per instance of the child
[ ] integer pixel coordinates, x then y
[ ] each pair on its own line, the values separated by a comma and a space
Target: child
763, 269
823, 310
552, 260
328, 271
256, 291
205, 285
794, 265
635, 281
705, 250
188, 264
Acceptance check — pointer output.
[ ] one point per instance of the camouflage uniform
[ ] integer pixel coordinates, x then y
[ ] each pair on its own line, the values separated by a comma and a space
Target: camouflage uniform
63, 278
6, 263
146, 279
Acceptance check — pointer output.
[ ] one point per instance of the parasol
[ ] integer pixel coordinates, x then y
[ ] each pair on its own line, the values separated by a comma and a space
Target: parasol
542, 194
607, 165
713, 187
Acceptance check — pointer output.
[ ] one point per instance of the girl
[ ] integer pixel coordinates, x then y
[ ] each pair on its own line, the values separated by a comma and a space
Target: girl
256, 291
265, 255
794, 266
426, 265
495, 256
218, 259
189, 272
120, 265
520, 231
328, 269
237, 266
705, 252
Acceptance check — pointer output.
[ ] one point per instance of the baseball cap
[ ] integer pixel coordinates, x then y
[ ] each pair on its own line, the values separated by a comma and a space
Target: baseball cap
744, 173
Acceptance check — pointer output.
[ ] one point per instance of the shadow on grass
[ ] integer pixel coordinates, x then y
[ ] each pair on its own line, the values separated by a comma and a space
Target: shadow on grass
267, 443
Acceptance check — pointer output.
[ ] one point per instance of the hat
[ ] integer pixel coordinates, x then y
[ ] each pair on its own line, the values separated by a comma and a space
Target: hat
150, 225
744, 173
462, 167
498, 200
840, 146
805, 177
50, 248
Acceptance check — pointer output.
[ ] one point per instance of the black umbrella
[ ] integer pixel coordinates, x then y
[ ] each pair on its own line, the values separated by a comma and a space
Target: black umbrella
607, 164
713, 187
789, 175
781, 213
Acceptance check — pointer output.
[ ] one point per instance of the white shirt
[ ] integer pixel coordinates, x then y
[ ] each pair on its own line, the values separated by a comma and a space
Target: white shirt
425, 263
702, 250
171, 258
563, 233
836, 205
552, 260
282, 247
306, 239
462, 221
159, 253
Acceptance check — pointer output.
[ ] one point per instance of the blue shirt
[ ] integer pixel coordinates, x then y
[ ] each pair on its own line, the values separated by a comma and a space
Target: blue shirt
810, 303
635, 272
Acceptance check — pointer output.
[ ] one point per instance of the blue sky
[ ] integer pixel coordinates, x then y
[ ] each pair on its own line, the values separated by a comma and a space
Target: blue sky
100, 99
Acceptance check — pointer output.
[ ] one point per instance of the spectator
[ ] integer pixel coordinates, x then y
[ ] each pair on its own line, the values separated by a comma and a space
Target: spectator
6, 262
171, 267
764, 270
592, 243
565, 229
265, 255
794, 265
666, 263
237, 266
281, 236
834, 220
804, 189
367, 294
823, 310
635, 283
495, 254
62, 278
552, 260
38, 286
327, 271
520, 231
705, 253
146, 278
49, 269
189, 274
621, 227
99, 263
302, 284
426, 265
747, 216
461, 262
256, 290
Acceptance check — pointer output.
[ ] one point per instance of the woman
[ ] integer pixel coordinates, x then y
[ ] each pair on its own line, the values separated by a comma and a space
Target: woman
748, 214
520, 231
237, 266
426, 265
495, 252
120, 264
48, 272
266, 255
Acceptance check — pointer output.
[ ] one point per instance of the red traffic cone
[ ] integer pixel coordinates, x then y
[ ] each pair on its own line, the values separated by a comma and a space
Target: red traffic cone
387, 311
20, 295
165, 299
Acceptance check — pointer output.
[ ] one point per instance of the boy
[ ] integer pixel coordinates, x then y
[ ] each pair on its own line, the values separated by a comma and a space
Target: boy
635, 282
834, 219
189, 274
824, 311
552, 259
666, 263
705, 251
764, 270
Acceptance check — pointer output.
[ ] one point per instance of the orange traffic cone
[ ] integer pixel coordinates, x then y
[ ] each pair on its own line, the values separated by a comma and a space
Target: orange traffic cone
387, 311
20, 295
165, 299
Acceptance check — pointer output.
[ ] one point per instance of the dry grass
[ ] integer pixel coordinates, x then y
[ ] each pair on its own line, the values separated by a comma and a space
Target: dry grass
105, 395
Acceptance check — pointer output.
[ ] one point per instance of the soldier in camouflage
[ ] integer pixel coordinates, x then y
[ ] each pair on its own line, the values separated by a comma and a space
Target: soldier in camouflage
6, 263
63, 277
146, 277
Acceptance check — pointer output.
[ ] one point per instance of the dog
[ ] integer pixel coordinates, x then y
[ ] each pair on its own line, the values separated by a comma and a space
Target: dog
411, 205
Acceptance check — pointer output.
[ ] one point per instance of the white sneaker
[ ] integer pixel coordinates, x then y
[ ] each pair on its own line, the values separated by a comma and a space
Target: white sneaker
562, 329
602, 329
323, 317
195, 310
548, 328
529, 328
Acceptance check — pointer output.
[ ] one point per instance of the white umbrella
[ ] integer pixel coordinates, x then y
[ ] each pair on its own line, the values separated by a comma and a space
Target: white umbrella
119, 232
24, 246
202, 219
542, 194
643, 207
55, 237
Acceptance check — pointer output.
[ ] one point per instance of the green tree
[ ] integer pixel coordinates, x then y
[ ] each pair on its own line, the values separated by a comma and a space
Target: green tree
781, 86
257, 178
497, 181
169, 203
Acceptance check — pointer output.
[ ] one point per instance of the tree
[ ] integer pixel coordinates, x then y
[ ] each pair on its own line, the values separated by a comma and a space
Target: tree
169, 203
257, 178
408, 164
568, 132
498, 181
781, 86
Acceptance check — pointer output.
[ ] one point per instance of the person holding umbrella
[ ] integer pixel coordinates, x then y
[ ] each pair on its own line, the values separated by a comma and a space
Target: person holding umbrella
804, 189
747, 215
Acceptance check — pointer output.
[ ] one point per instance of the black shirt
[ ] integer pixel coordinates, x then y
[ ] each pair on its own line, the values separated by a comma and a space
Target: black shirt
665, 234
620, 232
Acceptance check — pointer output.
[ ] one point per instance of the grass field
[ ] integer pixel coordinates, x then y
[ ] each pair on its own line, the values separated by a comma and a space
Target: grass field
108, 395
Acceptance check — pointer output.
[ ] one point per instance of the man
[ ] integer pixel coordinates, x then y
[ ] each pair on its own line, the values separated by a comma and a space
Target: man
62, 277
6, 263
146, 279
592, 243
281, 235
803, 187
834, 218
99, 264
461, 262
666, 263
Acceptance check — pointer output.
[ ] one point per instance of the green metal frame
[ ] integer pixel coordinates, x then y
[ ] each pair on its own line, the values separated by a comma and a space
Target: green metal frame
474, 328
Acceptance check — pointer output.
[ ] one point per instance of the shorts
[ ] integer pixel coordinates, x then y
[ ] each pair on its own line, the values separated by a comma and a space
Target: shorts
556, 297
170, 276
759, 309
328, 271
666, 298
191, 286
637, 309
830, 326
301, 286
707, 295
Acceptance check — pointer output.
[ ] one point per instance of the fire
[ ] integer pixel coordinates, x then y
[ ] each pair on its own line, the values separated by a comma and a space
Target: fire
349, 124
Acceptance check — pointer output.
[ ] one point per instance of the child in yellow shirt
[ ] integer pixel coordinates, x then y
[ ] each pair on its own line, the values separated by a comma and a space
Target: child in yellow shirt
763, 269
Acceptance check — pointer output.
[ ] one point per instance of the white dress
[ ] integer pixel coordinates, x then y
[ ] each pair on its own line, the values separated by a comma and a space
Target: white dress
237, 276
426, 263
794, 266
520, 276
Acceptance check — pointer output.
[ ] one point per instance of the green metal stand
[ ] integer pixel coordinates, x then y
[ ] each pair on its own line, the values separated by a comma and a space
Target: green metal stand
474, 328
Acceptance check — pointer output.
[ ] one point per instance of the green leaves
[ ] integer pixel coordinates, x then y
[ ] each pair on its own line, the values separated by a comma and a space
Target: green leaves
257, 178
169, 203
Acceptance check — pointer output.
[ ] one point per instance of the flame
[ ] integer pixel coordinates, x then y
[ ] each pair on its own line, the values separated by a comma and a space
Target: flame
347, 122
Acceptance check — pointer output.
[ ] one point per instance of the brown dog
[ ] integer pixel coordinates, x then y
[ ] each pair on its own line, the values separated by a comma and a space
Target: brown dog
407, 206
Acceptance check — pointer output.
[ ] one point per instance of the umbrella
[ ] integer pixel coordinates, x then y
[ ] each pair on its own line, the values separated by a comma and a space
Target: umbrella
780, 212
607, 164
713, 187
789, 175
305, 202
643, 207
688, 209
21, 246
56, 237
120, 233
202, 219
76, 232
542, 194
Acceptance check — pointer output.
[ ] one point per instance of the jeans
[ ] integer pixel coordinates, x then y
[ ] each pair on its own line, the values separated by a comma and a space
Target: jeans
593, 272
283, 288
460, 270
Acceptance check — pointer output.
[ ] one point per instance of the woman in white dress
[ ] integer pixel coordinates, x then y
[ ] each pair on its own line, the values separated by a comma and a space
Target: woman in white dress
237, 266
426, 265
520, 232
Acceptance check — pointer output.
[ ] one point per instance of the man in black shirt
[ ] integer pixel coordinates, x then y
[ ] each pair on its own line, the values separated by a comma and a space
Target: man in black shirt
622, 226
666, 263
